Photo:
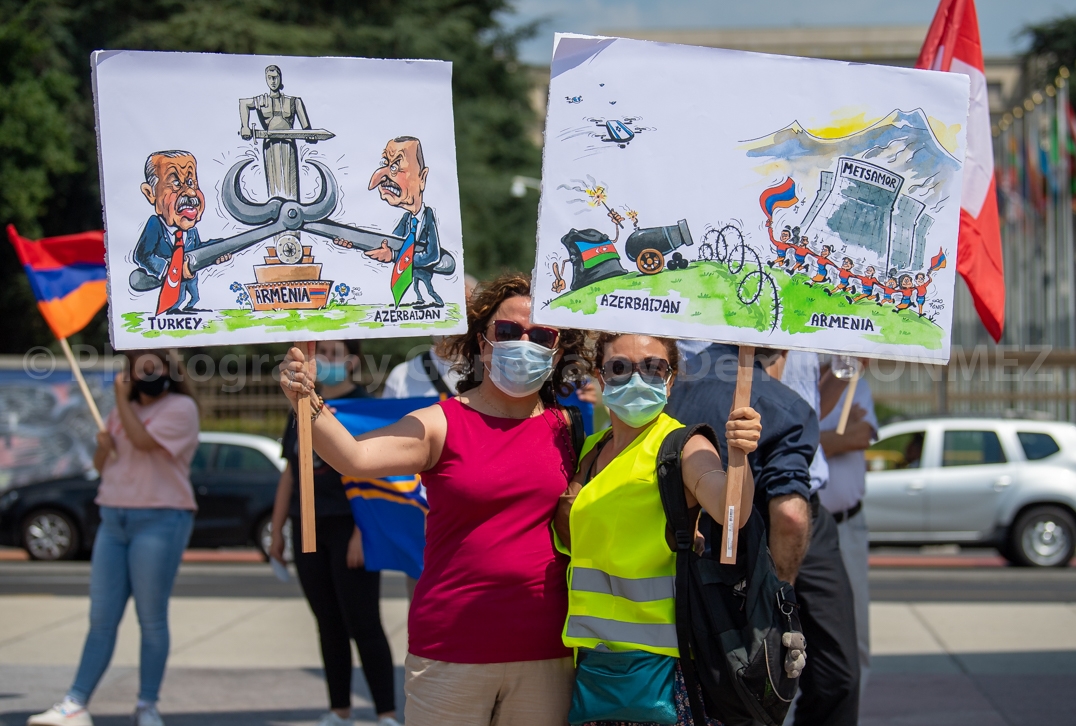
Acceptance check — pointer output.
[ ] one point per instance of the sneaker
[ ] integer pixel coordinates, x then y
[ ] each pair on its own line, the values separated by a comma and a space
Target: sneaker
65, 713
146, 716
388, 721
331, 719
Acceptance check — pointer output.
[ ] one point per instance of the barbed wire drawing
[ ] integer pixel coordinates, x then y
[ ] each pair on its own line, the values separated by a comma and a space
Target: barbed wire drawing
726, 245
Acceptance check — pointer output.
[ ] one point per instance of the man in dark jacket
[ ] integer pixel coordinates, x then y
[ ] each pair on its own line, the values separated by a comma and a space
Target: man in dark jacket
802, 535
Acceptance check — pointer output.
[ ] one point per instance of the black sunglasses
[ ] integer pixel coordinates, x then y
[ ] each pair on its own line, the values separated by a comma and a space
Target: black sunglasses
618, 371
507, 330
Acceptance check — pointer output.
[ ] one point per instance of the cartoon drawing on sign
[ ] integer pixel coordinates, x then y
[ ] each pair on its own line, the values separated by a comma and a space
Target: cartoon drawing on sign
279, 212
277, 115
163, 251
400, 181
863, 216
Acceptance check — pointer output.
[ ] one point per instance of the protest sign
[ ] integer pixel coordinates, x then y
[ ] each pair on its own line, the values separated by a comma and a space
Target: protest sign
753, 199
238, 212
256, 199
750, 199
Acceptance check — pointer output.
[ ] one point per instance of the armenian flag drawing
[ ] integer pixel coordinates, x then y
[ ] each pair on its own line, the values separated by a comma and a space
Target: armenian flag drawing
779, 196
937, 262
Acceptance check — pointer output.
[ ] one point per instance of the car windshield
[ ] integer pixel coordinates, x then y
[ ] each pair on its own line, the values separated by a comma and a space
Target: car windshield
903, 451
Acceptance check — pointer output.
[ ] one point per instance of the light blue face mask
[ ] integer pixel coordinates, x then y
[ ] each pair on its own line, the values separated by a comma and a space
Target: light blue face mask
331, 374
635, 402
520, 367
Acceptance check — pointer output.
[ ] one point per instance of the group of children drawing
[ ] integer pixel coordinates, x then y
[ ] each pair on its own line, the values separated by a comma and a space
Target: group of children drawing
902, 291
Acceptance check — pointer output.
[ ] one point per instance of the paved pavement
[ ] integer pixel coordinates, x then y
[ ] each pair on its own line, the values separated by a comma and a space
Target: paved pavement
888, 584
254, 659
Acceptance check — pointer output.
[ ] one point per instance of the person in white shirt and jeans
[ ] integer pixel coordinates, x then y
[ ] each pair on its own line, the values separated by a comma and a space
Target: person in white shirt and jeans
843, 496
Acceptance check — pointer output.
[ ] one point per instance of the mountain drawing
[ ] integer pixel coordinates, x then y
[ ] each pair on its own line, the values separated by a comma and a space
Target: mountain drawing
902, 142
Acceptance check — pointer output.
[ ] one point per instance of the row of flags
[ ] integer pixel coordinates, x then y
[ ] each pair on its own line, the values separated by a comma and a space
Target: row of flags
1036, 157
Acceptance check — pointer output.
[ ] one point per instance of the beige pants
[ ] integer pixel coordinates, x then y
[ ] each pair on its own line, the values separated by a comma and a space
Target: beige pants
526, 693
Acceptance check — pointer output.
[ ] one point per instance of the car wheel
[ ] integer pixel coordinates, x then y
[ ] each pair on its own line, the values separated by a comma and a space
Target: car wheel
48, 534
1044, 537
265, 538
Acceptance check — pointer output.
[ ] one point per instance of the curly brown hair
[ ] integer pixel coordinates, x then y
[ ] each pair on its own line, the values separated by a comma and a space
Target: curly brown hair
604, 339
571, 370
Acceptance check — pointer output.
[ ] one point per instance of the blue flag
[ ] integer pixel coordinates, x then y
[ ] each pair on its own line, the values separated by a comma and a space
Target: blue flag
390, 512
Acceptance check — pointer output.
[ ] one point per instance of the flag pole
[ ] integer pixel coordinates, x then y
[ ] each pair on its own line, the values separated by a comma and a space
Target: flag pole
82, 383
846, 409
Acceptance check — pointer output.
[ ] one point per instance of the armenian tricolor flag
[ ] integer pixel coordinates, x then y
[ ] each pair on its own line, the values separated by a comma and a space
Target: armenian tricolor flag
595, 253
402, 272
390, 512
779, 196
67, 275
937, 262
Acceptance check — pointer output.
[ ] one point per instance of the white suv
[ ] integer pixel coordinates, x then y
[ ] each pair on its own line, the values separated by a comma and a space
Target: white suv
1006, 483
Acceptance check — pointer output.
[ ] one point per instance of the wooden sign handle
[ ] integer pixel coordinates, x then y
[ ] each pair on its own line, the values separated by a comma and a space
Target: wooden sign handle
849, 394
306, 469
737, 459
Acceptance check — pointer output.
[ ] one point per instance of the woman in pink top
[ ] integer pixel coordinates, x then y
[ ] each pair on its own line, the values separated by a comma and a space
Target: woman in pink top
484, 626
147, 511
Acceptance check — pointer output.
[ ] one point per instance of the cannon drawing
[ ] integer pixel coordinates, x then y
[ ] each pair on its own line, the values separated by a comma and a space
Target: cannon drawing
647, 247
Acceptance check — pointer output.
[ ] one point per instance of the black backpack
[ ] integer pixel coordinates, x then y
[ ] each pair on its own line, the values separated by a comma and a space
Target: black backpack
729, 618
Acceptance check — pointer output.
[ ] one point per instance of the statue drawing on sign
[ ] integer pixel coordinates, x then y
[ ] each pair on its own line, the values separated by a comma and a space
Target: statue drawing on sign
277, 115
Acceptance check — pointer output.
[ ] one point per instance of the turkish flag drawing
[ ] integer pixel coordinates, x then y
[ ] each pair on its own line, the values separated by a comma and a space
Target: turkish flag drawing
953, 45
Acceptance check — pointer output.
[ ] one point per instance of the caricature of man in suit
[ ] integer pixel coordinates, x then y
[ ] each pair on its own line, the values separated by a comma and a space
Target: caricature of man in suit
400, 180
171, 186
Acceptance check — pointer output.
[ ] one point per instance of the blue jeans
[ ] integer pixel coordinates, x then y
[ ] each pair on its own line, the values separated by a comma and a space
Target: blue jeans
137, 551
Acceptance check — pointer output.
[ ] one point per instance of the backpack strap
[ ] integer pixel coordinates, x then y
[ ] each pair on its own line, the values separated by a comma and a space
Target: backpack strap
674, 501
579, 435
426, 361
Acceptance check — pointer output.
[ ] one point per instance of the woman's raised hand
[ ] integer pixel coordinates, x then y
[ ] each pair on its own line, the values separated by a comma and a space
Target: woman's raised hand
744, 429
298, 371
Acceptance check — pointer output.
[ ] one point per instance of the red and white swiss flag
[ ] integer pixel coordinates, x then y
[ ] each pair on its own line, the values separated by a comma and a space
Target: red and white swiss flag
953, 45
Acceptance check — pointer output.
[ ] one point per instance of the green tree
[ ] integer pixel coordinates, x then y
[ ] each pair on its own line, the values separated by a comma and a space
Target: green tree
1053, 44
51, 187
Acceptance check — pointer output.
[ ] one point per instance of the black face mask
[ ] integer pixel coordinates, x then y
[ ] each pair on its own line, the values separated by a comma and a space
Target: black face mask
151, 388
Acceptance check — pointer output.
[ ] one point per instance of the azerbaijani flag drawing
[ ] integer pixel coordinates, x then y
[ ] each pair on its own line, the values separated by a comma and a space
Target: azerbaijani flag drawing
402, 272
67, 275
390, 512
779, 196
595, 253
937, 262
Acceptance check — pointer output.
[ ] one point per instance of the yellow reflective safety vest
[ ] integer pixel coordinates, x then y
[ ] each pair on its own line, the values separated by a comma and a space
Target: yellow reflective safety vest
622, 574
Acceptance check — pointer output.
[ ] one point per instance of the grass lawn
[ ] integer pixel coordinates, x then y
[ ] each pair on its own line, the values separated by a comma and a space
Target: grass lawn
709, 291
331, 318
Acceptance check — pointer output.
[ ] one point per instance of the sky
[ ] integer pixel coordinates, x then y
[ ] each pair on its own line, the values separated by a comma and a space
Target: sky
999, 20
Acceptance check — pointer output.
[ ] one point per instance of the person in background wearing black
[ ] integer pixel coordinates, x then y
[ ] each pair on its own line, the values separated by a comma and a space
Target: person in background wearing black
802, 535
342, 594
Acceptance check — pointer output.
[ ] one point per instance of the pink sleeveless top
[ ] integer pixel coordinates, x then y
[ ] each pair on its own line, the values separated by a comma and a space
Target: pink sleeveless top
494, 588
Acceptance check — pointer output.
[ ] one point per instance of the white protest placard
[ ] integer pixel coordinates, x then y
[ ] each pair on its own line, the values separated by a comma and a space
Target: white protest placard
748, 198
256, 199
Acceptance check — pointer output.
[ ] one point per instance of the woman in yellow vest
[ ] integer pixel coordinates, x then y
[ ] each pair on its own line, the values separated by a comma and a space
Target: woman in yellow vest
621, 606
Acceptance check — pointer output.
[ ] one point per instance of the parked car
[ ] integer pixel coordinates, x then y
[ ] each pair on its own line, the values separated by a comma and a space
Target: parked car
1005, 483
234, 478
